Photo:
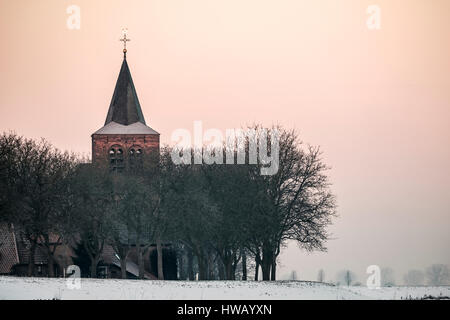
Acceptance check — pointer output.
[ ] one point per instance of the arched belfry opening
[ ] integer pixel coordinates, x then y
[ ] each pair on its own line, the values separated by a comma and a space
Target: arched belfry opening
136, 157
116, 158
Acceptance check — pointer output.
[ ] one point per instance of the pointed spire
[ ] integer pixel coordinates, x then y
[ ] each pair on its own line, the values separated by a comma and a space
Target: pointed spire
125, 114
125, 108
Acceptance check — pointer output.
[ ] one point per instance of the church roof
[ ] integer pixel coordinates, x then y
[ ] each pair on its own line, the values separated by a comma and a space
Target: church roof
125, 114
8, 249
125, 108
117, 128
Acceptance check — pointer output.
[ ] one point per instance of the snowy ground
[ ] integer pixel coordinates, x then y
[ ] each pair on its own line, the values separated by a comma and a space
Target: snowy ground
43, 288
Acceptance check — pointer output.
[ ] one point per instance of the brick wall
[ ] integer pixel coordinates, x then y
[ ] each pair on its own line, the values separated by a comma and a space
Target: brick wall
101, 144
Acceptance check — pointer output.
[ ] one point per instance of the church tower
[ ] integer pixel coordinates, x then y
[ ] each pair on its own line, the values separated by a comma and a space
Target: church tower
125, 138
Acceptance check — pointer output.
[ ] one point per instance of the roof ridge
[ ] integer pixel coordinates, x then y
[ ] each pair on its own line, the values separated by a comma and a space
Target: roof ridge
134, 128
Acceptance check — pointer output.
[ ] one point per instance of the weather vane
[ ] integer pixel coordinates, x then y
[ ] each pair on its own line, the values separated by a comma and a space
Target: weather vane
124, 39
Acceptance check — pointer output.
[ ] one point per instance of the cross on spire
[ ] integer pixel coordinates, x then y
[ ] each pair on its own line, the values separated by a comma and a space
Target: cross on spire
124, 40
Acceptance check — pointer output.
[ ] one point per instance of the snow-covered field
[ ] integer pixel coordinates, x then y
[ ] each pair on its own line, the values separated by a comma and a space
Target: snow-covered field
43, 288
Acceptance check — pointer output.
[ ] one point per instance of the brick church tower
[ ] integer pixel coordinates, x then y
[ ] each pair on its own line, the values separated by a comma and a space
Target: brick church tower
125, 138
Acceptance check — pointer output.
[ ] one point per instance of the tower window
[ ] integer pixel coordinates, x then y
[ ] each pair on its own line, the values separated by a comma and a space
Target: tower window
116, 162
135, 157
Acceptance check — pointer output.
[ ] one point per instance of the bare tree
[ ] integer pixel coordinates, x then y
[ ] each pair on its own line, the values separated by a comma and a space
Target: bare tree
226, 189
387, 277
244, 264
293, 275
139, 204
34, 176
438, 275
137, 212
192, 215
294, 204
10, 145
321, 275
346, 277
414, 278
122, 233
221, 210
257, 267
93, 207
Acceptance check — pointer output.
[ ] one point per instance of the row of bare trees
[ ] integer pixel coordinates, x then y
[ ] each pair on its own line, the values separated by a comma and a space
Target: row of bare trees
33, 189
222, 219
232, 215
434, 275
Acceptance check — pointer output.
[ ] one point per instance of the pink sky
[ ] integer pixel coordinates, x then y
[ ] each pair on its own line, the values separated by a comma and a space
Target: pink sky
378, 102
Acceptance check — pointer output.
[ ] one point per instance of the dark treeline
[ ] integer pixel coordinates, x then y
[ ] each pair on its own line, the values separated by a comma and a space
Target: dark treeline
221, 219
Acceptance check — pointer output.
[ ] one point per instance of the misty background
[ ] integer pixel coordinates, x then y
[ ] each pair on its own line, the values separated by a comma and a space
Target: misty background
376, 101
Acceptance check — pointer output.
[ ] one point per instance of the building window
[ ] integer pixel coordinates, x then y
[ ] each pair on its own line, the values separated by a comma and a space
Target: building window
116, 162
135, 157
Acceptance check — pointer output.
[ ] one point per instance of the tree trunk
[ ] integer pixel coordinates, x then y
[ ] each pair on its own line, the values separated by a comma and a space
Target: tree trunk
265, 266
234, 267
159, 252
94, 263
190, 266
201, 270
122, 254
221, 269
50, 265
244, 265
182, 275
266, 262
228, 269
273, 270
123, 267
202, 267
140, 262
210, 267
30, 271
256, 270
